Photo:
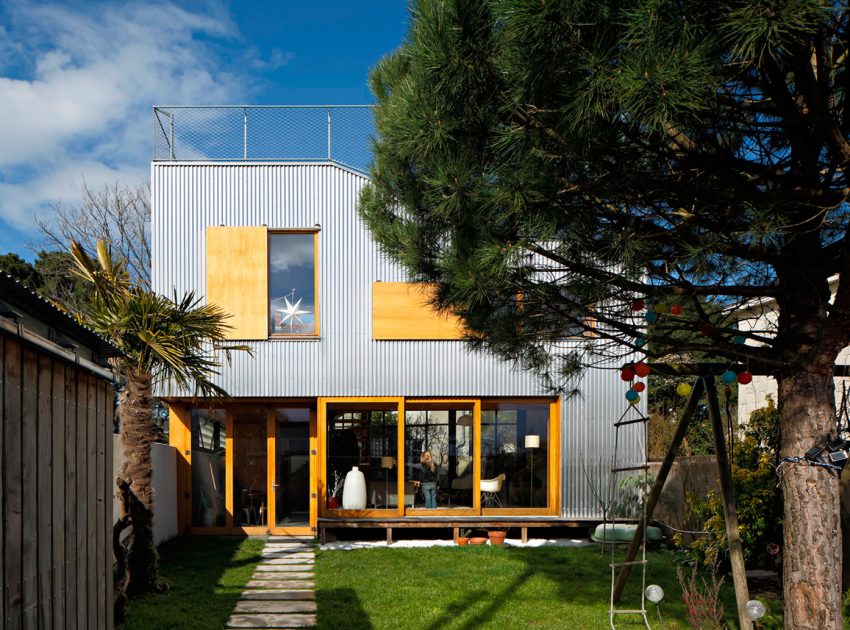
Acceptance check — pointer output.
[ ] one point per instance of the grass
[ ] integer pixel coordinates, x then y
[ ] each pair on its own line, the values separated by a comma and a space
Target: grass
487, 587
206, 576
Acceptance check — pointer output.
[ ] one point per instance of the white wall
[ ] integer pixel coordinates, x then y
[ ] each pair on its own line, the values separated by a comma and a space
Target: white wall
164, 482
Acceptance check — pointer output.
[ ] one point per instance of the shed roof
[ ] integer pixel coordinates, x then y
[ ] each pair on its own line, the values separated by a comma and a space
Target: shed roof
18, 296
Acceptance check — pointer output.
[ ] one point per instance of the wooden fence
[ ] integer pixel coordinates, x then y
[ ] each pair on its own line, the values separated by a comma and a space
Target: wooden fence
55, 490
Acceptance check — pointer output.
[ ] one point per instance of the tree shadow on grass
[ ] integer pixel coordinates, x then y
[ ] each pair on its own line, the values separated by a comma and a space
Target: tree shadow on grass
341, 608
205, 575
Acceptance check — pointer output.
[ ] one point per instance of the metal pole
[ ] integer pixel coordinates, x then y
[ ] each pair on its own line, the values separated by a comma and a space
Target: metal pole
730, 514
244, 134
171, 140
329, 135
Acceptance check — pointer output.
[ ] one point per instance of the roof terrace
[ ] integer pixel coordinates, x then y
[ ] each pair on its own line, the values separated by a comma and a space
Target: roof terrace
264, 133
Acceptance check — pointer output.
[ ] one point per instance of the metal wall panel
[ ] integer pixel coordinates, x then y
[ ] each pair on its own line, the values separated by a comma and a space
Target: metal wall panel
345, 361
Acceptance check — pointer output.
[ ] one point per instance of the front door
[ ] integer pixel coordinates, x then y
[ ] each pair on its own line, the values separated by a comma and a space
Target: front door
290, 488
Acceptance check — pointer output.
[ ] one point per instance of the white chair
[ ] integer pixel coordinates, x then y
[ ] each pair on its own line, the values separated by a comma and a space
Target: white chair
490, 489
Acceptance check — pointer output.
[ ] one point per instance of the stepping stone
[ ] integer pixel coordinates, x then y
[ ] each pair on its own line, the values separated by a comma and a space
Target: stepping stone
287, 606
288, 539
279, 594
284, 568
288, 584
271, 621
288, 554
266, 576
288, 561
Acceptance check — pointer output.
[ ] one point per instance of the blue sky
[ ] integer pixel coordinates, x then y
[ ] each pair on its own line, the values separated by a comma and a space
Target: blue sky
78, 79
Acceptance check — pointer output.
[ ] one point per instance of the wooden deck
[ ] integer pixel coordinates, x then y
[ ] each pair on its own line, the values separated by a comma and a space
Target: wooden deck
523, 523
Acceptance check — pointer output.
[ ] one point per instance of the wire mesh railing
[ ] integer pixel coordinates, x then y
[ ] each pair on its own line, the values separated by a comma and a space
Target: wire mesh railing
336, 133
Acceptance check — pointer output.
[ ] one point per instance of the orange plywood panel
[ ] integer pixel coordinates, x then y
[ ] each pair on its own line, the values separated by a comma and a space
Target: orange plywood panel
400, 311
238, 278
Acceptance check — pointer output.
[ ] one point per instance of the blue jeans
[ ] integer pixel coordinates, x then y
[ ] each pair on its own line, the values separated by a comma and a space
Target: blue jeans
429, 489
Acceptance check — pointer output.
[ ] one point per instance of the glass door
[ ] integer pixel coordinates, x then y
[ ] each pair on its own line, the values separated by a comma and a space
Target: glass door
250, 466
291, 485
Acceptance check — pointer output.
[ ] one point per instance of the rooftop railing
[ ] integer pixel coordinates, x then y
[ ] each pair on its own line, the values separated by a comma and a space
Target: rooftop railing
264, 133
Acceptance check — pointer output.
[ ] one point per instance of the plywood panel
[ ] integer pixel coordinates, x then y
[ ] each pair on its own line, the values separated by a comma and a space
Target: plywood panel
237, 278
400, 310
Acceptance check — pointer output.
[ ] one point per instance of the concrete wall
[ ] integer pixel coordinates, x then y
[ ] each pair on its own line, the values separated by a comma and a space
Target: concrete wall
164, 463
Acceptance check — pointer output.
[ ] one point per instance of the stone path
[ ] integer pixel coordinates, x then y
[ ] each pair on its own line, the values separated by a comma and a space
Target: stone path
281, 593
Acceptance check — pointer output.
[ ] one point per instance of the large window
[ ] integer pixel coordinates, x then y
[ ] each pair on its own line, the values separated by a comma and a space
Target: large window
293, 294
515, 451
208, 473
367, 438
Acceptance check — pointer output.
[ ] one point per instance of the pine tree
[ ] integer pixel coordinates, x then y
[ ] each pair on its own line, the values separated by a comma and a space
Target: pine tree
546, 164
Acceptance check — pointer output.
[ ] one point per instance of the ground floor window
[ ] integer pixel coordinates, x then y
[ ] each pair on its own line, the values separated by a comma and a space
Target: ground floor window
209, 481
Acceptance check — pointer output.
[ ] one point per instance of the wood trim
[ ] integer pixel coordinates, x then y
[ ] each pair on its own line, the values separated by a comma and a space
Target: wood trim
400, 459
476, 457
180, 437
315, 492
401, 311
228, 465
271, 466
316, 283
237, 278
555, 456
441, 512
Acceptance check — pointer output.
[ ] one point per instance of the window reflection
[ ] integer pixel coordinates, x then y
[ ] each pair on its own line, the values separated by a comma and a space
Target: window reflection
447, 435
367, 439
514, 443
208, 471
292, 283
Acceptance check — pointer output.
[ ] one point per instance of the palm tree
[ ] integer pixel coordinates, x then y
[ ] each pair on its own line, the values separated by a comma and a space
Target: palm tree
161, 339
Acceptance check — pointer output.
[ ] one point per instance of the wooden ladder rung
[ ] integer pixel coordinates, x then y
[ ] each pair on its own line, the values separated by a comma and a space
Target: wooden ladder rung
627, 612
614, 565
623, 423
625, 468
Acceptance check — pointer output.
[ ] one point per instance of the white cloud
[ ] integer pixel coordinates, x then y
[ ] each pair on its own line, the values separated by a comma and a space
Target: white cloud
80, 104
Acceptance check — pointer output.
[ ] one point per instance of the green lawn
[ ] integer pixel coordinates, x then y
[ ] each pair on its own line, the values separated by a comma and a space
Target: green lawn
487, 587
206, 575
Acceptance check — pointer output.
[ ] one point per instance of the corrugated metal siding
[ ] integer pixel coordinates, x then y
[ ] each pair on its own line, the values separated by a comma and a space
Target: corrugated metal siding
345, 361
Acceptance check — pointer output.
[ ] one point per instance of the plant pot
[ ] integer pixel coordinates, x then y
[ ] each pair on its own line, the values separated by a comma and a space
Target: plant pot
477, 540
497, 538
462, 541
333, 503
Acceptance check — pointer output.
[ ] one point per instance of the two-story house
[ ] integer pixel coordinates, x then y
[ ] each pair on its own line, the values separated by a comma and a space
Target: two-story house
350, 367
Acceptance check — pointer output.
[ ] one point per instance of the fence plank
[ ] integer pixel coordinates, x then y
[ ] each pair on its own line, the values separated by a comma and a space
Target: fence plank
110, 491
12, 590
70, 497
100, 540
82, 498
3, 383
29, 491
44, 492
58, 429
91, 504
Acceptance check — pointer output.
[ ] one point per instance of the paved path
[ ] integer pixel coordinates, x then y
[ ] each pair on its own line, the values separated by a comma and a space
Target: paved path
281, 593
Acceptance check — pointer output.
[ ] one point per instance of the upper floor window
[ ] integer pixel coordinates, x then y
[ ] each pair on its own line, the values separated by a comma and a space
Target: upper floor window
293, 284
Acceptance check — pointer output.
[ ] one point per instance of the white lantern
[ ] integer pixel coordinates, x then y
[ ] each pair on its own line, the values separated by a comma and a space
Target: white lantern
354, 490
755, 609
654, 593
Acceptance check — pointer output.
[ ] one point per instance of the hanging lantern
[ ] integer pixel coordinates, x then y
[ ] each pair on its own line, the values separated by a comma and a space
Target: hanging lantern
660, 308
728, 376
635, 401
640, 342
639, 386
739, 340
642, 369
628, 374
651, 317
676, 309
638, 305
683, 389
632, 395
745, 378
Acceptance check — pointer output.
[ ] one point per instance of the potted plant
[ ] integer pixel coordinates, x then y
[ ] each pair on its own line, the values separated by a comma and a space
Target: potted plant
463, 537
497, 536
334, 491
476, 538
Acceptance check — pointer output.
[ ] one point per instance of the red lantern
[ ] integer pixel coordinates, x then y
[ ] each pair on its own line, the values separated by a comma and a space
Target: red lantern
676, 309
745, 378
628, 374
639, 386
638, 305
642, 369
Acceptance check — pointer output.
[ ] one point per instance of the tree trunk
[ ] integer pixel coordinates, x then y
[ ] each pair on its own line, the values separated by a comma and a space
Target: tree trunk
812, 554
134, 410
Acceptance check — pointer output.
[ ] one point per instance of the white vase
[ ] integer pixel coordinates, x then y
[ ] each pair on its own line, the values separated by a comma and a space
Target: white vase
354, 490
